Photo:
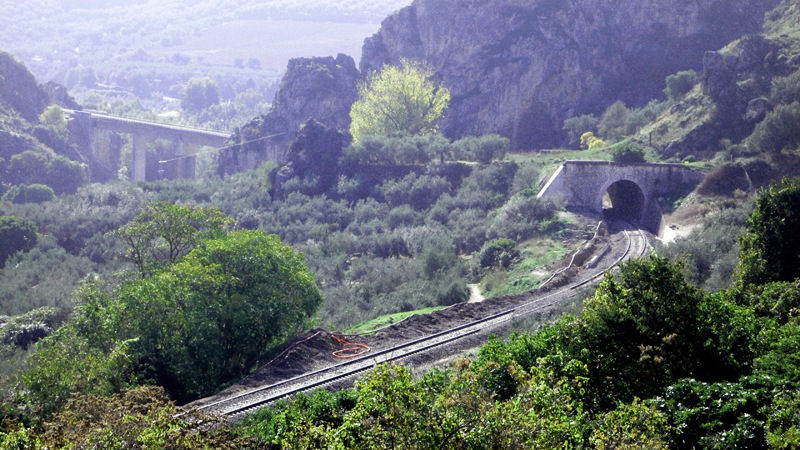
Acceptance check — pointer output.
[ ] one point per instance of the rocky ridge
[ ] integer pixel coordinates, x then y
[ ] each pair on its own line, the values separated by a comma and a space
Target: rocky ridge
519, 68
312, 88
516, 68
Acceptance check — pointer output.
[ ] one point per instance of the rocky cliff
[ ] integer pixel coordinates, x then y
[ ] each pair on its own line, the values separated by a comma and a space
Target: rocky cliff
520, 67
322, 89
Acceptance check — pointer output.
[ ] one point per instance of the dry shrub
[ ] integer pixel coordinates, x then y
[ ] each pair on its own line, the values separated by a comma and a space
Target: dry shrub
724, 180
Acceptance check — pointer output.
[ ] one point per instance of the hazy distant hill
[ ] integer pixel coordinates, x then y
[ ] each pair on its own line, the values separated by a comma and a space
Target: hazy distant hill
52, 37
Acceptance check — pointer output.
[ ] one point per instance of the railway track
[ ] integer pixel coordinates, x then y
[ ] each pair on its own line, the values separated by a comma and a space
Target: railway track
344, 374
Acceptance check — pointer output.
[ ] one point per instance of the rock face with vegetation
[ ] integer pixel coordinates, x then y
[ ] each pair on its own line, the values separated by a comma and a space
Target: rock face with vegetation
521, 68
312, 88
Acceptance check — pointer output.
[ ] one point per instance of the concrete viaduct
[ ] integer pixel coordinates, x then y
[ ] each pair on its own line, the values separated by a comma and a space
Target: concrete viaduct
97, 125
632, 189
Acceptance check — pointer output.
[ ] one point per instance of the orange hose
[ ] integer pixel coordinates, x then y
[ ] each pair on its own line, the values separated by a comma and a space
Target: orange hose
350, 347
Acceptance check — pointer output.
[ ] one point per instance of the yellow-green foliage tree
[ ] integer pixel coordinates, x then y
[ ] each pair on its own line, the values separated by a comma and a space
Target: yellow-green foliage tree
398, 100
589, 141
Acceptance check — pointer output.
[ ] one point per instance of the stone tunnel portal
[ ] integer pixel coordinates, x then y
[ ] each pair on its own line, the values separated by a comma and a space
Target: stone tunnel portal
624, 199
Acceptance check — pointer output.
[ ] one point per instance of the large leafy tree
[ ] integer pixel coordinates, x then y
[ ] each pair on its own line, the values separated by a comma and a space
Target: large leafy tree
164, 232
398, 100
207, 319
189, 325
770, 248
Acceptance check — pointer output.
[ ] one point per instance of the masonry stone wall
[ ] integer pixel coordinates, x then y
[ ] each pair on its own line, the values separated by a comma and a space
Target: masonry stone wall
583, 184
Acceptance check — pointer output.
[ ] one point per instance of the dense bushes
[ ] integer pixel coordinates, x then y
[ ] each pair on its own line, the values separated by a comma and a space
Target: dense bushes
35, 193
786, 90
679, 84
59, 173
770, 248
208, 304
710, 252
652, 363
16, 234
423, 149
779, 131
628, 152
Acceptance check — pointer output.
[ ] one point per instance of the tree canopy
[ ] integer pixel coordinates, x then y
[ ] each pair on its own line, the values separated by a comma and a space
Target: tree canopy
200, 93
163, 232
16, 234
770, 248
398, 100
199, 317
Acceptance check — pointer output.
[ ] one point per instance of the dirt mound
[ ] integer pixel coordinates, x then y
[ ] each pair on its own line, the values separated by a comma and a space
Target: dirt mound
315, 349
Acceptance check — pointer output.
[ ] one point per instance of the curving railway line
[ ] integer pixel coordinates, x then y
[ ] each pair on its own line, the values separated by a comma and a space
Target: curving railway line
633, 243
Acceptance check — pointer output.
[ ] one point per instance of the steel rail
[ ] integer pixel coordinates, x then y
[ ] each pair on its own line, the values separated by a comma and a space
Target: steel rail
369, 361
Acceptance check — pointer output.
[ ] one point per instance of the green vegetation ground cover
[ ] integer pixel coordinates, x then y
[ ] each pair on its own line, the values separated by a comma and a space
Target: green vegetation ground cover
523, 276
714, 370
388, 319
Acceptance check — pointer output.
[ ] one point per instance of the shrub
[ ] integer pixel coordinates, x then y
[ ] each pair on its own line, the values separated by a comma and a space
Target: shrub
628, 152
498, 253
527, 177
455, 292
27, 167
38, 193
724, 180
483, 149
596, 143
780, 130
65, 176
679, 84
419, 192
35, 193
577, 126
612, 122
786, 89
16, 234
640, 117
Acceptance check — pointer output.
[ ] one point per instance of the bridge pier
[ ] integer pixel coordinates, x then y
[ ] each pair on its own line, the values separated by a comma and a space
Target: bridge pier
96, 126
186, 165
139, 158
101, 146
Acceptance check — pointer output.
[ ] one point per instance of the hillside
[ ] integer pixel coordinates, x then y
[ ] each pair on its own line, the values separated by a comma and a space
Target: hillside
125, 297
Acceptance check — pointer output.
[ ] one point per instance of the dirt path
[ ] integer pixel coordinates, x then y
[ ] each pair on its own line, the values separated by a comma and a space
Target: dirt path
475, 295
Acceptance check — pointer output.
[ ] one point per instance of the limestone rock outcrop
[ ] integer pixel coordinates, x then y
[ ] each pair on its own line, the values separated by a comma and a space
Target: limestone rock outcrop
520, 67
322, 89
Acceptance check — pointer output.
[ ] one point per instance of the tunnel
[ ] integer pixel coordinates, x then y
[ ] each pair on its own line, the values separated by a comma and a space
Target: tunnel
624, 200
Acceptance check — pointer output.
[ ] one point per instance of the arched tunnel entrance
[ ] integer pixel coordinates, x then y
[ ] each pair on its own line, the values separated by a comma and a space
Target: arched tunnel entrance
624, 200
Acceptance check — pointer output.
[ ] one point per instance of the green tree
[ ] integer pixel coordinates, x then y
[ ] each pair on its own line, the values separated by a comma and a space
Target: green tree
577, 126
27, 167
770, 248
628, 152
206, 319
64, 175
164, 232
779, 131
398, 100
679, 84
612, 122
190, 327
16, 235
200, 93
54, 117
